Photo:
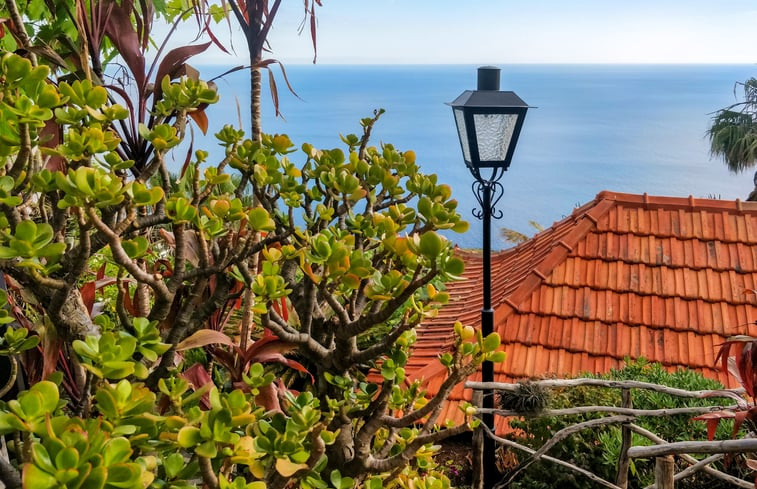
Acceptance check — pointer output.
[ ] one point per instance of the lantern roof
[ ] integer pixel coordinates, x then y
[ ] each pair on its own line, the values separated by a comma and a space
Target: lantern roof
488, 98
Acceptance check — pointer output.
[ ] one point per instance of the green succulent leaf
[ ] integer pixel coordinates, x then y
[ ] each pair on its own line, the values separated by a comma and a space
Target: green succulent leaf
33, 476
116, 450
124, 475
491, 342
189, 436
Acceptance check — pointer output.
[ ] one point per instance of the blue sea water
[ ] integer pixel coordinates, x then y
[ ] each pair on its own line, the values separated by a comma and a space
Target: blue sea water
625, 128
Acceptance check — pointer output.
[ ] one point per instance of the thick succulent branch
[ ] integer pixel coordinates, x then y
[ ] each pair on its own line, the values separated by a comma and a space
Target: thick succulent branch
449, 383
208, 474
382, 346
406, 456
25, 150
9, 475
367, 321
70, 317
180, 257
122, 258
279, 328
19, 31
377, 409
339, 310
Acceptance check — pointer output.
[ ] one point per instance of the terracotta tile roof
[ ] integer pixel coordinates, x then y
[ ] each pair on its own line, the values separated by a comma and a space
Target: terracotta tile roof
665, 278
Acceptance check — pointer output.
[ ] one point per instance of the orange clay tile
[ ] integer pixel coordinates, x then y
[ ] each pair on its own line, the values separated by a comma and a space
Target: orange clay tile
665, 278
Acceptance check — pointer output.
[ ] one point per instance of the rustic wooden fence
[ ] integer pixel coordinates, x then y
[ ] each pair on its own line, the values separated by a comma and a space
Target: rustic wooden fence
623, 415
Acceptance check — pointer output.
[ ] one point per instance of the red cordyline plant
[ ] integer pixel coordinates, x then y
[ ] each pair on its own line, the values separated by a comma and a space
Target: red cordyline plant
256, 18
738, 357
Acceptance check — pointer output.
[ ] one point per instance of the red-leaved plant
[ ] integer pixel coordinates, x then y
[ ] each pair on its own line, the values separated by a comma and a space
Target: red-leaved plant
738, 357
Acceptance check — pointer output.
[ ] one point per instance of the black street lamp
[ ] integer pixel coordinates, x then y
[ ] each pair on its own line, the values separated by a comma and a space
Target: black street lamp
488, 123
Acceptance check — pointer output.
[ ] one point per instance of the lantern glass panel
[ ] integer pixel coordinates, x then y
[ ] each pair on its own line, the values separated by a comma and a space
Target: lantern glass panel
463, 132
493, 133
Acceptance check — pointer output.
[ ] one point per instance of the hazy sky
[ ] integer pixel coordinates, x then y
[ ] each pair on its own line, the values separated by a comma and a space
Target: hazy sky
519, 31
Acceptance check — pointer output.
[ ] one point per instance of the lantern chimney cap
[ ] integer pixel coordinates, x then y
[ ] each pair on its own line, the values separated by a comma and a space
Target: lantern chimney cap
488, 78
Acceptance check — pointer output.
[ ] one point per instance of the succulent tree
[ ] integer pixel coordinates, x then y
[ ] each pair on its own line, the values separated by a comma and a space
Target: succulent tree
243, 323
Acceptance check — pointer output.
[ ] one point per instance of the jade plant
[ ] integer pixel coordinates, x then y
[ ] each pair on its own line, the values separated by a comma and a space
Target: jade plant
241, 322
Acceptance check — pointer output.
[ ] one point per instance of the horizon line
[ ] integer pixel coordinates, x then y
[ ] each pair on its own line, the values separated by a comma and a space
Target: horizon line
473, 63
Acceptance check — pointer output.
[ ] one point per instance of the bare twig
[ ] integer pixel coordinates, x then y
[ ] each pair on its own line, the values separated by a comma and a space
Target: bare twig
564, 433
547, 458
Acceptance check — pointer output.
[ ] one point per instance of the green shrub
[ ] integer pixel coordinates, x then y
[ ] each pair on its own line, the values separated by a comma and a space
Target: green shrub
598, 450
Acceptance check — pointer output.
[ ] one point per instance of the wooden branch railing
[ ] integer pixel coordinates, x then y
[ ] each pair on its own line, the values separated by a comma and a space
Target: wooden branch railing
735, 394
695, 465
624, 415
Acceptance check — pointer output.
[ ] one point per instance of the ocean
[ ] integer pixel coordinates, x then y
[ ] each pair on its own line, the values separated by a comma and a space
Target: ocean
624, 128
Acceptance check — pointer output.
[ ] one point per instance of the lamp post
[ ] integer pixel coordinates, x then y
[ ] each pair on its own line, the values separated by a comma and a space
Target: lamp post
488, 122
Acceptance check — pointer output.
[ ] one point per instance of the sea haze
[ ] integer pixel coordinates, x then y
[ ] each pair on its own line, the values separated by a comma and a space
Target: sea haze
625, 128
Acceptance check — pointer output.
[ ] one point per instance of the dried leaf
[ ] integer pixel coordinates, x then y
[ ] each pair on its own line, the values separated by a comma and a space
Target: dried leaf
737, 422
204, 337
269, 343
128, 304
163, 267
201, 119
87, 292
278, 358
268, 397
50, 136
187, 158
274, 92
713, 419
51, 351
192, 251
100, 273
313, 30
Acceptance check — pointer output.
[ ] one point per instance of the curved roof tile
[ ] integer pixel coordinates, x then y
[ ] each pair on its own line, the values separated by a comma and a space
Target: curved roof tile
625, 275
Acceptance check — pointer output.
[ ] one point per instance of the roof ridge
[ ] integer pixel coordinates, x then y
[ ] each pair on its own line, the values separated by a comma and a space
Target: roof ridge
693, 203
585, 218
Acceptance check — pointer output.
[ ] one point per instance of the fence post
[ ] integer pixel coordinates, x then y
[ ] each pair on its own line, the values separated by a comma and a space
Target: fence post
663, 472
478, 446
624, 462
